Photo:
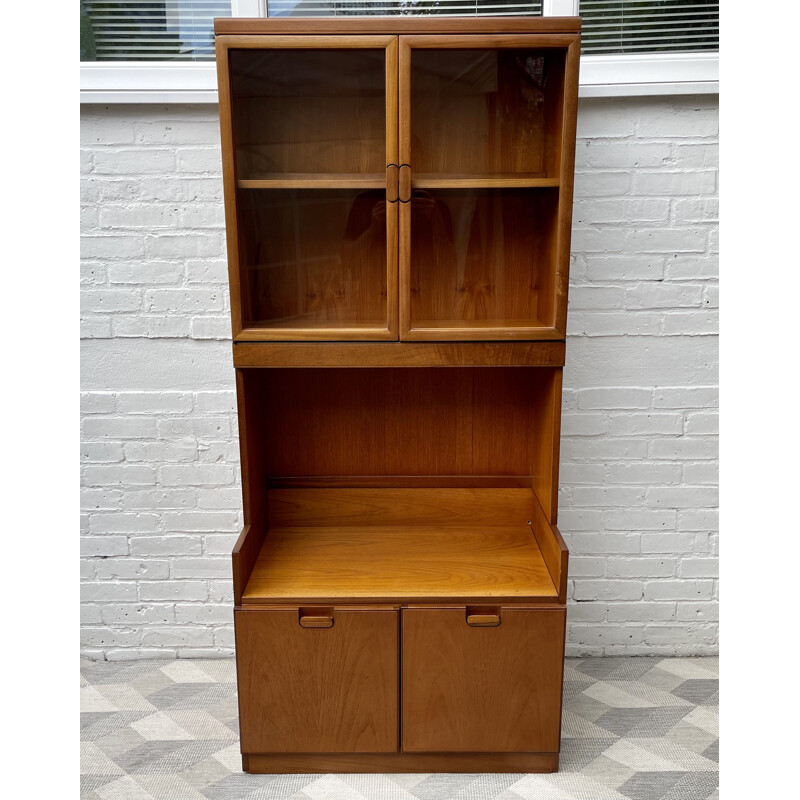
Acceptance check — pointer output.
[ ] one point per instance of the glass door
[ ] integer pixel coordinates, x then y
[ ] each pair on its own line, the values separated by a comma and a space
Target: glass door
486, 154
311, 123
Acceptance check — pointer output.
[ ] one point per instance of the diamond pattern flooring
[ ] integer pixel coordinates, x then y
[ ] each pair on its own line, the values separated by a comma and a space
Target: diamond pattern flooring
633, 729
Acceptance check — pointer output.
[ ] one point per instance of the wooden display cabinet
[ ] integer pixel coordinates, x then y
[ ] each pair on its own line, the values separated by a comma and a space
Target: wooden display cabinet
398, 197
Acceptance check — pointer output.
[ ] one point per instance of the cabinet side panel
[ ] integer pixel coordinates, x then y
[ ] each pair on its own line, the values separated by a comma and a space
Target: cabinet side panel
546, 404
229, 183
567, 177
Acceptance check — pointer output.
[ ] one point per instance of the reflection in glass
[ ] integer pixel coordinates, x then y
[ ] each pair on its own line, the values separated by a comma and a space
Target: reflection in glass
349, 8
313, 257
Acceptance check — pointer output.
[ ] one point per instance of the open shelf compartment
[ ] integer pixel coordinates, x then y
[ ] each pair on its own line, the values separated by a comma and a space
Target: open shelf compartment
400, 485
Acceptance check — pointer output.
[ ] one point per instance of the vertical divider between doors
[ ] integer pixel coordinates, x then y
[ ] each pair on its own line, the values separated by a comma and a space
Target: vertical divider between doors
392, 236
404, 157
399, 679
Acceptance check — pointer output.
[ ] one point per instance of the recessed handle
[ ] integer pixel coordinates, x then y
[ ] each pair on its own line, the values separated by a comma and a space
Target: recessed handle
316, 622
483, 620
404, 186
392, 183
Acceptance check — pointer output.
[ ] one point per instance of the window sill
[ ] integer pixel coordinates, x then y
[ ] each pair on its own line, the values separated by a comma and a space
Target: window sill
601, 76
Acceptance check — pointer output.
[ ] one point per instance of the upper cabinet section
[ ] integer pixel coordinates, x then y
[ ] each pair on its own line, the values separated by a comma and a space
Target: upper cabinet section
385, 187
309, 125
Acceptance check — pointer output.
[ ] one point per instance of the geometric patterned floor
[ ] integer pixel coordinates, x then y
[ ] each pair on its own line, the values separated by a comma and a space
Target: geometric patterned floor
633, 729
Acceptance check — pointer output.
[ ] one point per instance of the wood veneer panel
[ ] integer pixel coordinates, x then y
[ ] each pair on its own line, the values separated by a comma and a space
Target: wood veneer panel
554, 550
403, 482
265, 763
566, 138
481, 688
254, 494
317, 689
335, 507
546, 409
416, 354
399, 421
397, 25
390, 563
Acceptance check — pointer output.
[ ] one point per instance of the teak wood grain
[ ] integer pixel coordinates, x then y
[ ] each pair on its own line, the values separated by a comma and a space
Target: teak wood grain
325, 690
279, 763
398, 200
551, 544
410, 421
472, 689
398, 25
416, 354
391, 563
441, 506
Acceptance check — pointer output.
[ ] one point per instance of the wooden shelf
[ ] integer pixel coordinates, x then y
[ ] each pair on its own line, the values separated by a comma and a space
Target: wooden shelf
515, 180
314, 180
313, 329
399, 563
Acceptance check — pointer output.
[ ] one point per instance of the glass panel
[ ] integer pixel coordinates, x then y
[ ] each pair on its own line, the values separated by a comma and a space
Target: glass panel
313, 257
148, 30
366, 8
308, 111
486, 111
482, 258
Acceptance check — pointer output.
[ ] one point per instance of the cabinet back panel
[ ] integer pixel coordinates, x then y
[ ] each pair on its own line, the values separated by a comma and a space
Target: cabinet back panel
351, 422
394, 506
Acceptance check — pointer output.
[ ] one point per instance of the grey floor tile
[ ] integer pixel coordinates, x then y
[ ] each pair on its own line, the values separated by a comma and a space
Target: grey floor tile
697, 691
650, 785
651, 734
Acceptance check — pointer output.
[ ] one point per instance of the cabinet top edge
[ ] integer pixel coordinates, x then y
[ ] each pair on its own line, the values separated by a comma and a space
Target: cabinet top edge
396, 25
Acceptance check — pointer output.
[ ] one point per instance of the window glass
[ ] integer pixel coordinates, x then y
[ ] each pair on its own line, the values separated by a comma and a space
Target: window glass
143, 30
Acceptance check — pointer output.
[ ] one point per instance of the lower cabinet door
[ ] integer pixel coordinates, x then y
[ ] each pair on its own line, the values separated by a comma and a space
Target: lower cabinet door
323, 682
490, 686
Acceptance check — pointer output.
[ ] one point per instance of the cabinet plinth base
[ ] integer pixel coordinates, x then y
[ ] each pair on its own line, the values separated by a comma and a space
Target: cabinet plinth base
279, 763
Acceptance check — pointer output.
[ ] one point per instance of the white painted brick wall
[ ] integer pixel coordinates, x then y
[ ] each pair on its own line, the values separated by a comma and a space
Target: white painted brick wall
160, 472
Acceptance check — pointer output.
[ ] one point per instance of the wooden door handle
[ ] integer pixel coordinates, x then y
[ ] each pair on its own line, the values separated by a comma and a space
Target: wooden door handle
404, 185
392, 183
316, 622
483, 620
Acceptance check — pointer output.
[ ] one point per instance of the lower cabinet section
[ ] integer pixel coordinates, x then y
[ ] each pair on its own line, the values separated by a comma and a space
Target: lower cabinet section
389, 689
310, 689
490, 686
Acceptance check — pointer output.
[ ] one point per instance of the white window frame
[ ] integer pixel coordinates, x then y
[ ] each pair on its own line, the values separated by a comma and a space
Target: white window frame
600, 75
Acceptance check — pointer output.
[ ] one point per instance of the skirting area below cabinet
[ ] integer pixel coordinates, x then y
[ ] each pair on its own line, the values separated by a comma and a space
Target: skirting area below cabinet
632, 729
